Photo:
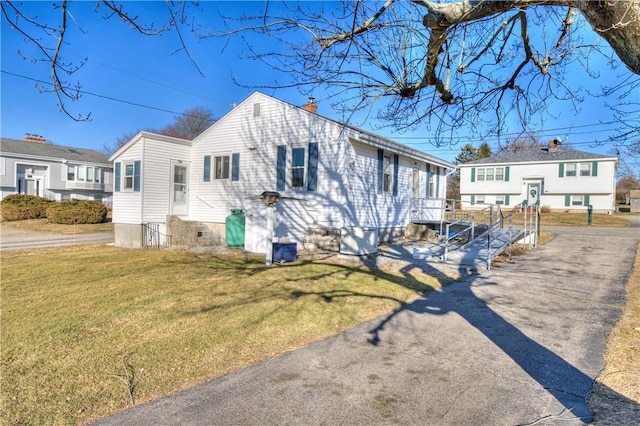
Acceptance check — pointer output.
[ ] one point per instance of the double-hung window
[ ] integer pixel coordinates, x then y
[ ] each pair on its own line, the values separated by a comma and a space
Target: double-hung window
71, 172
416, 183
571, 169
480, 176
387, 169
500, 173
222, 167
489, 174
128, 177
585, 169
297, 167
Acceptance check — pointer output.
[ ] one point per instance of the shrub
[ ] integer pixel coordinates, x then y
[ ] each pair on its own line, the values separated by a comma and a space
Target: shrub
545, 209
22, 207
77, 211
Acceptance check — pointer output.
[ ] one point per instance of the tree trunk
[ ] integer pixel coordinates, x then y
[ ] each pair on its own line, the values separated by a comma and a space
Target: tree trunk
617, 21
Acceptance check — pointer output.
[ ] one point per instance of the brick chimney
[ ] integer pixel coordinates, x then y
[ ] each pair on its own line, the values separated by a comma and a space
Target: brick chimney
553, 144
311, 106
28, 137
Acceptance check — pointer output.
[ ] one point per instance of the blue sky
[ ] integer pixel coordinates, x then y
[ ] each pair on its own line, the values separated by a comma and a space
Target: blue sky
126, 68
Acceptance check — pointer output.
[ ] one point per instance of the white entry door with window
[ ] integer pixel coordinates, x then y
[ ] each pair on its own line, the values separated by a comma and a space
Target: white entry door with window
533, 194
179, 189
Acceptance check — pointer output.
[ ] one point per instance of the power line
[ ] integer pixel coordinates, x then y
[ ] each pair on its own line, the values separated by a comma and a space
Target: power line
111, 98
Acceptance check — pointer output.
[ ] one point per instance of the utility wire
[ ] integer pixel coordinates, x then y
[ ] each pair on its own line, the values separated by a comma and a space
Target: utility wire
111, 98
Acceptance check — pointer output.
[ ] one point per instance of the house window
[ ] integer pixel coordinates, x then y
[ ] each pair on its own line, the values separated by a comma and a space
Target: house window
179, 183
499, 199
71, 173
297, 167
386, 182
128, 176
479, 199
571, 169
432, 186
222, 167
89, 174
577, 200
585, 169
489, 174
416, 183
80, 176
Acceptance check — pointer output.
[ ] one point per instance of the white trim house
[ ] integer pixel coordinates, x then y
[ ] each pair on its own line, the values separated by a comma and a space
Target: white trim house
563, 179
56, 172
329, 176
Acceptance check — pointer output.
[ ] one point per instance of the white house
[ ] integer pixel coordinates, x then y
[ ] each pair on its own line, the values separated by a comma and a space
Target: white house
329, 176
563, 179
33, 167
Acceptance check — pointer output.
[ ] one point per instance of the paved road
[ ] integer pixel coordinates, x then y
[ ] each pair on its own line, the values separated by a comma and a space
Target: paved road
513, 345
16, 238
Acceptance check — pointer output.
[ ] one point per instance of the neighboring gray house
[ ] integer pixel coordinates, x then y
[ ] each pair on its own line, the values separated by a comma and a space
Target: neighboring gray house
330, 176
33, 167
561, 178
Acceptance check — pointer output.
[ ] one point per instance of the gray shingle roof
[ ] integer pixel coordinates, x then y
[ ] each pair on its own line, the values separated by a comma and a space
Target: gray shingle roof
19, 147
545, 155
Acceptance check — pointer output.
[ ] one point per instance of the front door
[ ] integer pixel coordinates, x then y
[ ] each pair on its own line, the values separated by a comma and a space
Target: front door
179, 189
533, 194
30, 185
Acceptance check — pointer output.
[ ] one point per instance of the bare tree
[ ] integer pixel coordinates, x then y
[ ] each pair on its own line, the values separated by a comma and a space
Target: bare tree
190, 123
187, 125
453, 64
476, 64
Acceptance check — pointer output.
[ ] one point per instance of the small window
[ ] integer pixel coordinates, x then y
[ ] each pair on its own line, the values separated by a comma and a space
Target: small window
570, 169
82, 173
585, 169
416, 183
222, 167
499, 173
577, 200
489, 174
479, 199
432, 186
297, 167
128, 176
499, 198
71, 173
480, 176
89, 174
386, 183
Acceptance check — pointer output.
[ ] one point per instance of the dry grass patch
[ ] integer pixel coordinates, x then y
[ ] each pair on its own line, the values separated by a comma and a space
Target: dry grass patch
560, 218
72, 317
616, 395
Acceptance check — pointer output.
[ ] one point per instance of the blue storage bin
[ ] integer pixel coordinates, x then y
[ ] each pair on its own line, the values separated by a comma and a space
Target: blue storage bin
285, 252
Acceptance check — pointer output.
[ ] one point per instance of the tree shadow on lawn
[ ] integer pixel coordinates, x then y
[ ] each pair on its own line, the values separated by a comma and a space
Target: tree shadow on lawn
563, 381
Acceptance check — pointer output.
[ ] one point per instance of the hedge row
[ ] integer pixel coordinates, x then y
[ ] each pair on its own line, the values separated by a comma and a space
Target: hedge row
23, 207
69, 212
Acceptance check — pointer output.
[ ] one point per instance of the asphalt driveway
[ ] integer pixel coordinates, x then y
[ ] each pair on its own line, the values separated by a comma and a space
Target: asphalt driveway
515, 345
16, 238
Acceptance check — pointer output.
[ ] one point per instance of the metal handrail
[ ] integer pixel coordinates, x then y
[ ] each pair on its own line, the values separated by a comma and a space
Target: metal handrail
151, 236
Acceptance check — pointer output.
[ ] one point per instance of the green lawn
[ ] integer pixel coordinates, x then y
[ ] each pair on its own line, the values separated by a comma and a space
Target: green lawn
72, 318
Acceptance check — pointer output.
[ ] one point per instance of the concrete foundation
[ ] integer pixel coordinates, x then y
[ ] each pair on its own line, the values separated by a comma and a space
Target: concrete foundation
127, 235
